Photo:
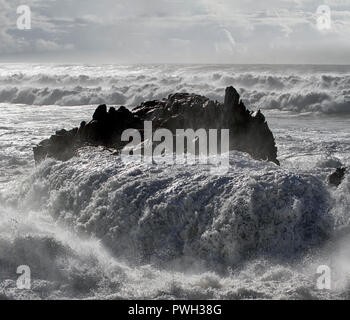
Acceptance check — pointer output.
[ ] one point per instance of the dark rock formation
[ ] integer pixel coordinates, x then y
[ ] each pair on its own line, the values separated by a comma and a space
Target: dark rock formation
249, 131
337, 177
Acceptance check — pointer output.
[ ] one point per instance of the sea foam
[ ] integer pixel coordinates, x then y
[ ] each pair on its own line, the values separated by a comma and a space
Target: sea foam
316, 90
163, 213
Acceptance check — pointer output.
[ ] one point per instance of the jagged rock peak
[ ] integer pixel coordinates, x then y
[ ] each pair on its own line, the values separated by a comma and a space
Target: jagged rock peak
249, 131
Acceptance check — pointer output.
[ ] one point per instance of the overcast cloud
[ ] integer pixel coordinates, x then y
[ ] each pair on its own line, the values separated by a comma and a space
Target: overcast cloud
141, 31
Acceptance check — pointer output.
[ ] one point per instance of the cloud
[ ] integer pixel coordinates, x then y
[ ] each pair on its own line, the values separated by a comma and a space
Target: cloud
47, 46
177, 31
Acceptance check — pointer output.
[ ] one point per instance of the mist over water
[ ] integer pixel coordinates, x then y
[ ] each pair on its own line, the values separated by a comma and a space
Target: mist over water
93, 227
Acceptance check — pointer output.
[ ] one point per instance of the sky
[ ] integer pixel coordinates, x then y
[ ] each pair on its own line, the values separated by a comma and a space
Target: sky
177, 31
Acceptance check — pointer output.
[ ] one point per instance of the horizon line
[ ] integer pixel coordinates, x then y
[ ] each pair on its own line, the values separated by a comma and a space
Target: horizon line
175, 63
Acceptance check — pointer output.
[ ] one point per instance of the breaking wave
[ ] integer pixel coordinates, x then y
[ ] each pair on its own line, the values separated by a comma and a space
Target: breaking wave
162, 214
297, 90
94, 227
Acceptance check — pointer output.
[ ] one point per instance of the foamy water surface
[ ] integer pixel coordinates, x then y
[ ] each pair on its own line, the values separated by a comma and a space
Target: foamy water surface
93, 227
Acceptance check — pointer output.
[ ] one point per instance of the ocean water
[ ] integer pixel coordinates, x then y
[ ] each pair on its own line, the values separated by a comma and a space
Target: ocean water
95, 228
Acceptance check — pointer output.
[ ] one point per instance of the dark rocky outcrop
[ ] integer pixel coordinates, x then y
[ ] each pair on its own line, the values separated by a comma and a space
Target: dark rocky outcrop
337, 177
249, 131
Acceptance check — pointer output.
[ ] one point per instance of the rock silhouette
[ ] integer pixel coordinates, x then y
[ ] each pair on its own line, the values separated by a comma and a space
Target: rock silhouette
249, 131
337, 177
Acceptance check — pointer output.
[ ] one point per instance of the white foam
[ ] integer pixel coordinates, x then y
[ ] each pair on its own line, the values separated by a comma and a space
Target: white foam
310, 90
164, 212
179, 218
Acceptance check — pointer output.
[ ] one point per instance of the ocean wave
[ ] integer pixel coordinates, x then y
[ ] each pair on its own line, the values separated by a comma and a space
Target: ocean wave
300, 102
93, 227
81, 270
161, 214
315, 102
318, 92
